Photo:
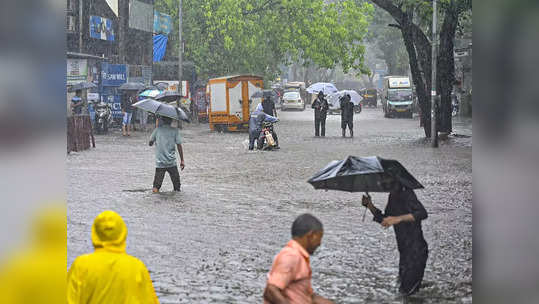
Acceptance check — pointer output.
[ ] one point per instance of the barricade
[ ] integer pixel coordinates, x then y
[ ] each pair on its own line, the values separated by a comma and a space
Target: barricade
79, 133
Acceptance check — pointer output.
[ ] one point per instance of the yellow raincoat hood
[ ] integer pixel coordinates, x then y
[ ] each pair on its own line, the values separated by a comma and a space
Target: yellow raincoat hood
109, 231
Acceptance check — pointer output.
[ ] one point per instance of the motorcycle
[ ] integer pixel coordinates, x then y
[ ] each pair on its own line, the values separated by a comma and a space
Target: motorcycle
103, 117
265, 140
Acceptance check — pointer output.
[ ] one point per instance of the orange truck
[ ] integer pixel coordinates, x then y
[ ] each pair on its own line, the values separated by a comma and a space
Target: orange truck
230, 101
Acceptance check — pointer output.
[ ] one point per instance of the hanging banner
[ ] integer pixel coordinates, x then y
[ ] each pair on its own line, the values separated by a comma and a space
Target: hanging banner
113, 75
113, 4
162, 23
101, 28
140, 16
77, 70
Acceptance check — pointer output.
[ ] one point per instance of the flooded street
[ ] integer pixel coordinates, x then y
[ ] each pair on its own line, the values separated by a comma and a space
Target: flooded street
215, 241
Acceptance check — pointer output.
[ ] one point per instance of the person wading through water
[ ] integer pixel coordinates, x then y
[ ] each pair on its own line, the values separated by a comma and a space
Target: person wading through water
347, 115
404, 212
320, 106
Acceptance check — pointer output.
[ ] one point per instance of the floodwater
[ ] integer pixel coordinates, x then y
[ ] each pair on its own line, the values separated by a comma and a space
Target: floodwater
215, 241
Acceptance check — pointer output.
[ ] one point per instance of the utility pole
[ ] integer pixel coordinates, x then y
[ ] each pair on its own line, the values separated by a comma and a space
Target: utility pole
80, 26
180, 51
180, 47
434, 131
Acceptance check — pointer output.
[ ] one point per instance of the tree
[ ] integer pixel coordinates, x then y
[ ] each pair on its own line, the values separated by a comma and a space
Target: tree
258, 36
387, 44
419, 49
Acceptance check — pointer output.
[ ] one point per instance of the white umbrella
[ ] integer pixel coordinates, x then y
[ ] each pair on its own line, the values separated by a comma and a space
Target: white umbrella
326, 87
333, 99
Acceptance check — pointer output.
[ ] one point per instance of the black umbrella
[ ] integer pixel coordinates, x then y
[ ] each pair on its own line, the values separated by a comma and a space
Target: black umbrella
263, 93
168, 96
132, 86
82, 86
161, 109
363, 174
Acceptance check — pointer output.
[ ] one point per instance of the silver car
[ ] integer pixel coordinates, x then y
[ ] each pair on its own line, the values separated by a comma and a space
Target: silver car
292, 100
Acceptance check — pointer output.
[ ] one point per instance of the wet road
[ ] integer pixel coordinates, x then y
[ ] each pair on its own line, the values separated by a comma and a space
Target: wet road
215, 241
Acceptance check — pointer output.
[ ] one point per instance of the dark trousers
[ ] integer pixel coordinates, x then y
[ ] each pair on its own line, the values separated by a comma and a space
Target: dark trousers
320, 122
174, 177
253, 135
349, 123
411, 269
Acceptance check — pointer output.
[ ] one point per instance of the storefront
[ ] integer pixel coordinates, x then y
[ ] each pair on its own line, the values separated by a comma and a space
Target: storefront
112, 76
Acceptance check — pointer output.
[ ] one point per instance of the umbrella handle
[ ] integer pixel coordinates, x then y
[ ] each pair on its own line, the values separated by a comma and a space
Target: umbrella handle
365, 211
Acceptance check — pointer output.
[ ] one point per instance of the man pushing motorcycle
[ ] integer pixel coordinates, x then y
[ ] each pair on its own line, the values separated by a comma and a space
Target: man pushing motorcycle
257, 118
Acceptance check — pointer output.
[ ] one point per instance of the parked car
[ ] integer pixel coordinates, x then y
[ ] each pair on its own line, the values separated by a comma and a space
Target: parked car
292, 100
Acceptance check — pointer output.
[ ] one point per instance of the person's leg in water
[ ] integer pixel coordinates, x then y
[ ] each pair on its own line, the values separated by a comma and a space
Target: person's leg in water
351, 127
158, 179
124, 124
252, 138
411, 270
343, 127
175, 177
317, 127
323, 126
276, 140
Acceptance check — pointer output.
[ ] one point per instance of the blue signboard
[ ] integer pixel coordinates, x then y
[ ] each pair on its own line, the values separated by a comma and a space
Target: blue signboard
101, 28
113, 75
162, 23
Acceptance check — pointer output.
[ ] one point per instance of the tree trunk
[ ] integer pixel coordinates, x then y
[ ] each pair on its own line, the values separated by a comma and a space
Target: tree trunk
418, 47
446, 68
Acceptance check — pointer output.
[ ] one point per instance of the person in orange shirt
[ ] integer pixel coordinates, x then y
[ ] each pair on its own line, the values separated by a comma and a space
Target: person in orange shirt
289, 280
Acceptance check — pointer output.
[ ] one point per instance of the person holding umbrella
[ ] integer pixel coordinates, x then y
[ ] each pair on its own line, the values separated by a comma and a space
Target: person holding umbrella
320, 106
404, 212
347, 115
167, 139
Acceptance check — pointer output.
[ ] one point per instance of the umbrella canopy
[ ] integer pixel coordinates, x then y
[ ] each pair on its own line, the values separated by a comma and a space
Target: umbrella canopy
82, 86
263, 93
132, 86
333, 99
363, 174
150, 93
162, 109
168, 96
325, 87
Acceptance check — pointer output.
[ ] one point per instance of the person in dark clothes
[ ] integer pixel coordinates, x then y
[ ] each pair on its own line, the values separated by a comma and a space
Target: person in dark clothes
404, 212
320, 106
127, 111
347, 115
269, 106
76, 105
167, 139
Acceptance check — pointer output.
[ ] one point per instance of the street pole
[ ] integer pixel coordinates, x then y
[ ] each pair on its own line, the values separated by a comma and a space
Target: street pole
180, 49
434, 132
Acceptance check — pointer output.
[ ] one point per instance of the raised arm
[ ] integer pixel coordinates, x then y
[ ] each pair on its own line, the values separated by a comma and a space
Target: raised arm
378, 215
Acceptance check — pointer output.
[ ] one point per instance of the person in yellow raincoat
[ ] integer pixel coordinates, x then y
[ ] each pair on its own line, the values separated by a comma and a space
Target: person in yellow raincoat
109, 274
35, 273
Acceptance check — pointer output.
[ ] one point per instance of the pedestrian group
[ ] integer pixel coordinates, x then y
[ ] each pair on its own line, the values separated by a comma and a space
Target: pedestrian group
110, 275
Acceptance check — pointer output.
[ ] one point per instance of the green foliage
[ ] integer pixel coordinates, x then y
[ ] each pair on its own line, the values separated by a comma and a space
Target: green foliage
257, 36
